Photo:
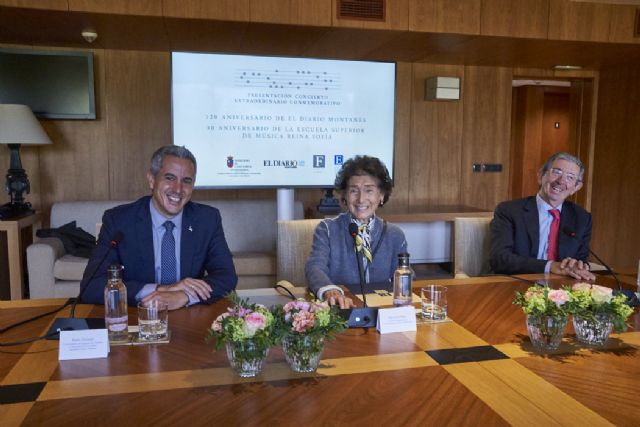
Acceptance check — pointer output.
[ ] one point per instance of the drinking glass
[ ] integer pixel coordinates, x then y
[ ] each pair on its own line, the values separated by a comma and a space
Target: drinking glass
434, 302
153, 320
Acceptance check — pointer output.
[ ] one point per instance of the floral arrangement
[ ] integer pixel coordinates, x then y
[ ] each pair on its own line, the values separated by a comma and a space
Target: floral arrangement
302, 327
589, 300
242, 322
544, 301
311, 318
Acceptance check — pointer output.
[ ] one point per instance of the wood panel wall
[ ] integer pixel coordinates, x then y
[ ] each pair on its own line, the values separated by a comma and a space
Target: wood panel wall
616, 176
436, 141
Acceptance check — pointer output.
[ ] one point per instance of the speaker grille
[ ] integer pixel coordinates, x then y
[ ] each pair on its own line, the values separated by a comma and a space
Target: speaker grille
367, 10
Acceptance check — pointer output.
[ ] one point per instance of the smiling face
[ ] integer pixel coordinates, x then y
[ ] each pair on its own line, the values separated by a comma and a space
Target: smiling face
559, 182
363, 196
171, 188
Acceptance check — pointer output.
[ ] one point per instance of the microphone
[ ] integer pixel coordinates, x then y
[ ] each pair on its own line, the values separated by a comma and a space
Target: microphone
71, 323
632, 299
361, 317
353, 230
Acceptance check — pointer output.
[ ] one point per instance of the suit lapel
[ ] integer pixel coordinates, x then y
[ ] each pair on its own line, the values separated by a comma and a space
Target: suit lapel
533, 225
144, 235
187, 241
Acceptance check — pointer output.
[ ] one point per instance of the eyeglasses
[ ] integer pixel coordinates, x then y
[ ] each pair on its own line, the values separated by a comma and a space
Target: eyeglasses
569, 176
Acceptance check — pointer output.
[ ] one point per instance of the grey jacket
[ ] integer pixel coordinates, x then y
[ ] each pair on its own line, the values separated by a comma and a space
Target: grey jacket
333, 261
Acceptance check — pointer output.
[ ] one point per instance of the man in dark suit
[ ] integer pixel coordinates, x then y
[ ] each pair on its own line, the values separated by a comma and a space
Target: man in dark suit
173, 250
544, 233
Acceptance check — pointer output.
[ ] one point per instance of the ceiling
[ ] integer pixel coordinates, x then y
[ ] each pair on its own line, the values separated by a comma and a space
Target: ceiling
63, 28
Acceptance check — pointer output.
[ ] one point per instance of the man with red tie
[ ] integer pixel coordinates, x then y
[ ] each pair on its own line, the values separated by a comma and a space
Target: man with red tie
544, 233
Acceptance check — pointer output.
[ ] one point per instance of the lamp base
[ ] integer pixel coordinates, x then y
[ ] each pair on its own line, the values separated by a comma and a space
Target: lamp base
15, 210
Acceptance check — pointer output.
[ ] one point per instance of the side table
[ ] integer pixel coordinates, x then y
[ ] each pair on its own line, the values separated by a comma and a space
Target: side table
16, 249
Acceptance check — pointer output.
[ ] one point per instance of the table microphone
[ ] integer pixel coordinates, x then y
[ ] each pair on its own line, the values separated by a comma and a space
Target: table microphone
353, 230
632, 299
361, 317
71, 323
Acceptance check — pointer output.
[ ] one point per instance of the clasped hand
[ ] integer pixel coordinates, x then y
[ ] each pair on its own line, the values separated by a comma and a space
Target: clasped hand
175, 295
572, 267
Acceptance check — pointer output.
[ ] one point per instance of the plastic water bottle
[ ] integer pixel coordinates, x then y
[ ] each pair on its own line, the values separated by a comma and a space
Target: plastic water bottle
116, 317
402, 281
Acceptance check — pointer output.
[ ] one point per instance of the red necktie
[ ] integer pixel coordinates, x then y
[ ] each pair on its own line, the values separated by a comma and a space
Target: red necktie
552, 250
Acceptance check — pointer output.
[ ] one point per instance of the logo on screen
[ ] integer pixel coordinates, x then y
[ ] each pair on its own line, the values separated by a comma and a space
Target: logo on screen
318, 161
338, 159
287, 164
229, 162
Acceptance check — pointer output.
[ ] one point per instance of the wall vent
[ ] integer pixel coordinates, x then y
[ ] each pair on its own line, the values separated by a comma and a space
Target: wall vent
367, 10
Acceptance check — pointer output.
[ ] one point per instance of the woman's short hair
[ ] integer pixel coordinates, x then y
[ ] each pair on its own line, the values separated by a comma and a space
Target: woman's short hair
365, 165
171, 150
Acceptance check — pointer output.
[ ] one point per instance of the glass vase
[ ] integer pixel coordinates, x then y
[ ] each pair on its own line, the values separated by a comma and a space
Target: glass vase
246, 357
593, 331
303, 352
546, 332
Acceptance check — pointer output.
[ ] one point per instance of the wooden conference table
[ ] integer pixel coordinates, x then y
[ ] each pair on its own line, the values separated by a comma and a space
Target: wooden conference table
478, 369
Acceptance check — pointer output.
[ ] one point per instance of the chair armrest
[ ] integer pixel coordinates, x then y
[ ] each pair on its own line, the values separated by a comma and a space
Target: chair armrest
41, 256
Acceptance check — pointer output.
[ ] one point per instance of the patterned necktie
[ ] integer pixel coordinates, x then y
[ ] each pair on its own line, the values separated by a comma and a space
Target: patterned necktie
552, 250
363, 241
168, 255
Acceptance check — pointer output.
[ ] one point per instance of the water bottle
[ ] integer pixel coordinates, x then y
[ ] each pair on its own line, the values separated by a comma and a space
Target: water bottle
116, 317
402, 281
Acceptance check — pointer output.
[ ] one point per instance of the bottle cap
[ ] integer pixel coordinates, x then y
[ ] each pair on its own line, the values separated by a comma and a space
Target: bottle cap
114, 271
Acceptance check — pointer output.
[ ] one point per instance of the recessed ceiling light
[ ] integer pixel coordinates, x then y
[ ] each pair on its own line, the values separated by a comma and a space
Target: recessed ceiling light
567, 67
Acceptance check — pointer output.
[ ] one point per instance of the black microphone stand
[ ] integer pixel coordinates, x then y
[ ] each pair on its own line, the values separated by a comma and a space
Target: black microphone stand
361, 317
71, 323
632, 298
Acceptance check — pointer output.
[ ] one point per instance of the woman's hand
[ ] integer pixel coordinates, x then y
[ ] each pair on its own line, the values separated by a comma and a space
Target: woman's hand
336, 297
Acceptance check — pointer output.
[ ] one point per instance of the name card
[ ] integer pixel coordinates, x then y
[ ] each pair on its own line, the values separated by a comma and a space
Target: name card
83, 344
398, 319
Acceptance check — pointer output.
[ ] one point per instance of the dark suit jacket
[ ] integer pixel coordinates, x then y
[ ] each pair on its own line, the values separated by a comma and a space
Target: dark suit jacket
203, 249
515, 236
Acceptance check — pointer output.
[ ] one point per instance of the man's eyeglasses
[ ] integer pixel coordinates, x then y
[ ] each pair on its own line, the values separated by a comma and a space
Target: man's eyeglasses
569, 176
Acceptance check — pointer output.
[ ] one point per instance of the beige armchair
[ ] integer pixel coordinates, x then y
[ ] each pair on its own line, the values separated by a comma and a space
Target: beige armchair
293, 249
52, 273
472, 244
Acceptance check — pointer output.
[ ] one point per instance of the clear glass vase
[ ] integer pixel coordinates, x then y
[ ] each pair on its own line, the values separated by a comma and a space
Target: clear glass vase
546, 332
246, 357
593, 331
303, 352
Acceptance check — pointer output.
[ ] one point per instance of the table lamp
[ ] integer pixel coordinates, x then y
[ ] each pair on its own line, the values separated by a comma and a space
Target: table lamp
18, 126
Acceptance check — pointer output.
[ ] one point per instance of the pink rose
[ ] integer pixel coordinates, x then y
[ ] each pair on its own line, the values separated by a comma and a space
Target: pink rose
558, 296
302, 321
586, 287
217, 324
600, 294
253, 322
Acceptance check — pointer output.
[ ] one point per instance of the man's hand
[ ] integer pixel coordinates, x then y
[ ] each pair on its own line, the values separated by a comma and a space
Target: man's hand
573, 268
174, 300
336, 297
195, 287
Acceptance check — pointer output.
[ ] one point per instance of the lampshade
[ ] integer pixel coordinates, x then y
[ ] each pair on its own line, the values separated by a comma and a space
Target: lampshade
18, 125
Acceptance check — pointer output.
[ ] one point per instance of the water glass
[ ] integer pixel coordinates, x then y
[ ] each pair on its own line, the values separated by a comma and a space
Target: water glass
434, 302
153, 320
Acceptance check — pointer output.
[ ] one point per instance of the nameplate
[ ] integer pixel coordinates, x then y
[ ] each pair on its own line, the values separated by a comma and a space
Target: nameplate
84, 344
398, 319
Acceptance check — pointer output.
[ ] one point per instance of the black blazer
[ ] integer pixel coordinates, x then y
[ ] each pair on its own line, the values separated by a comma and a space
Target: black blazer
515, 236
204, 253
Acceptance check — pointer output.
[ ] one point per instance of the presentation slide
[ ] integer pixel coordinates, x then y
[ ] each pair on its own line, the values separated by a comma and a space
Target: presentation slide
280, 122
